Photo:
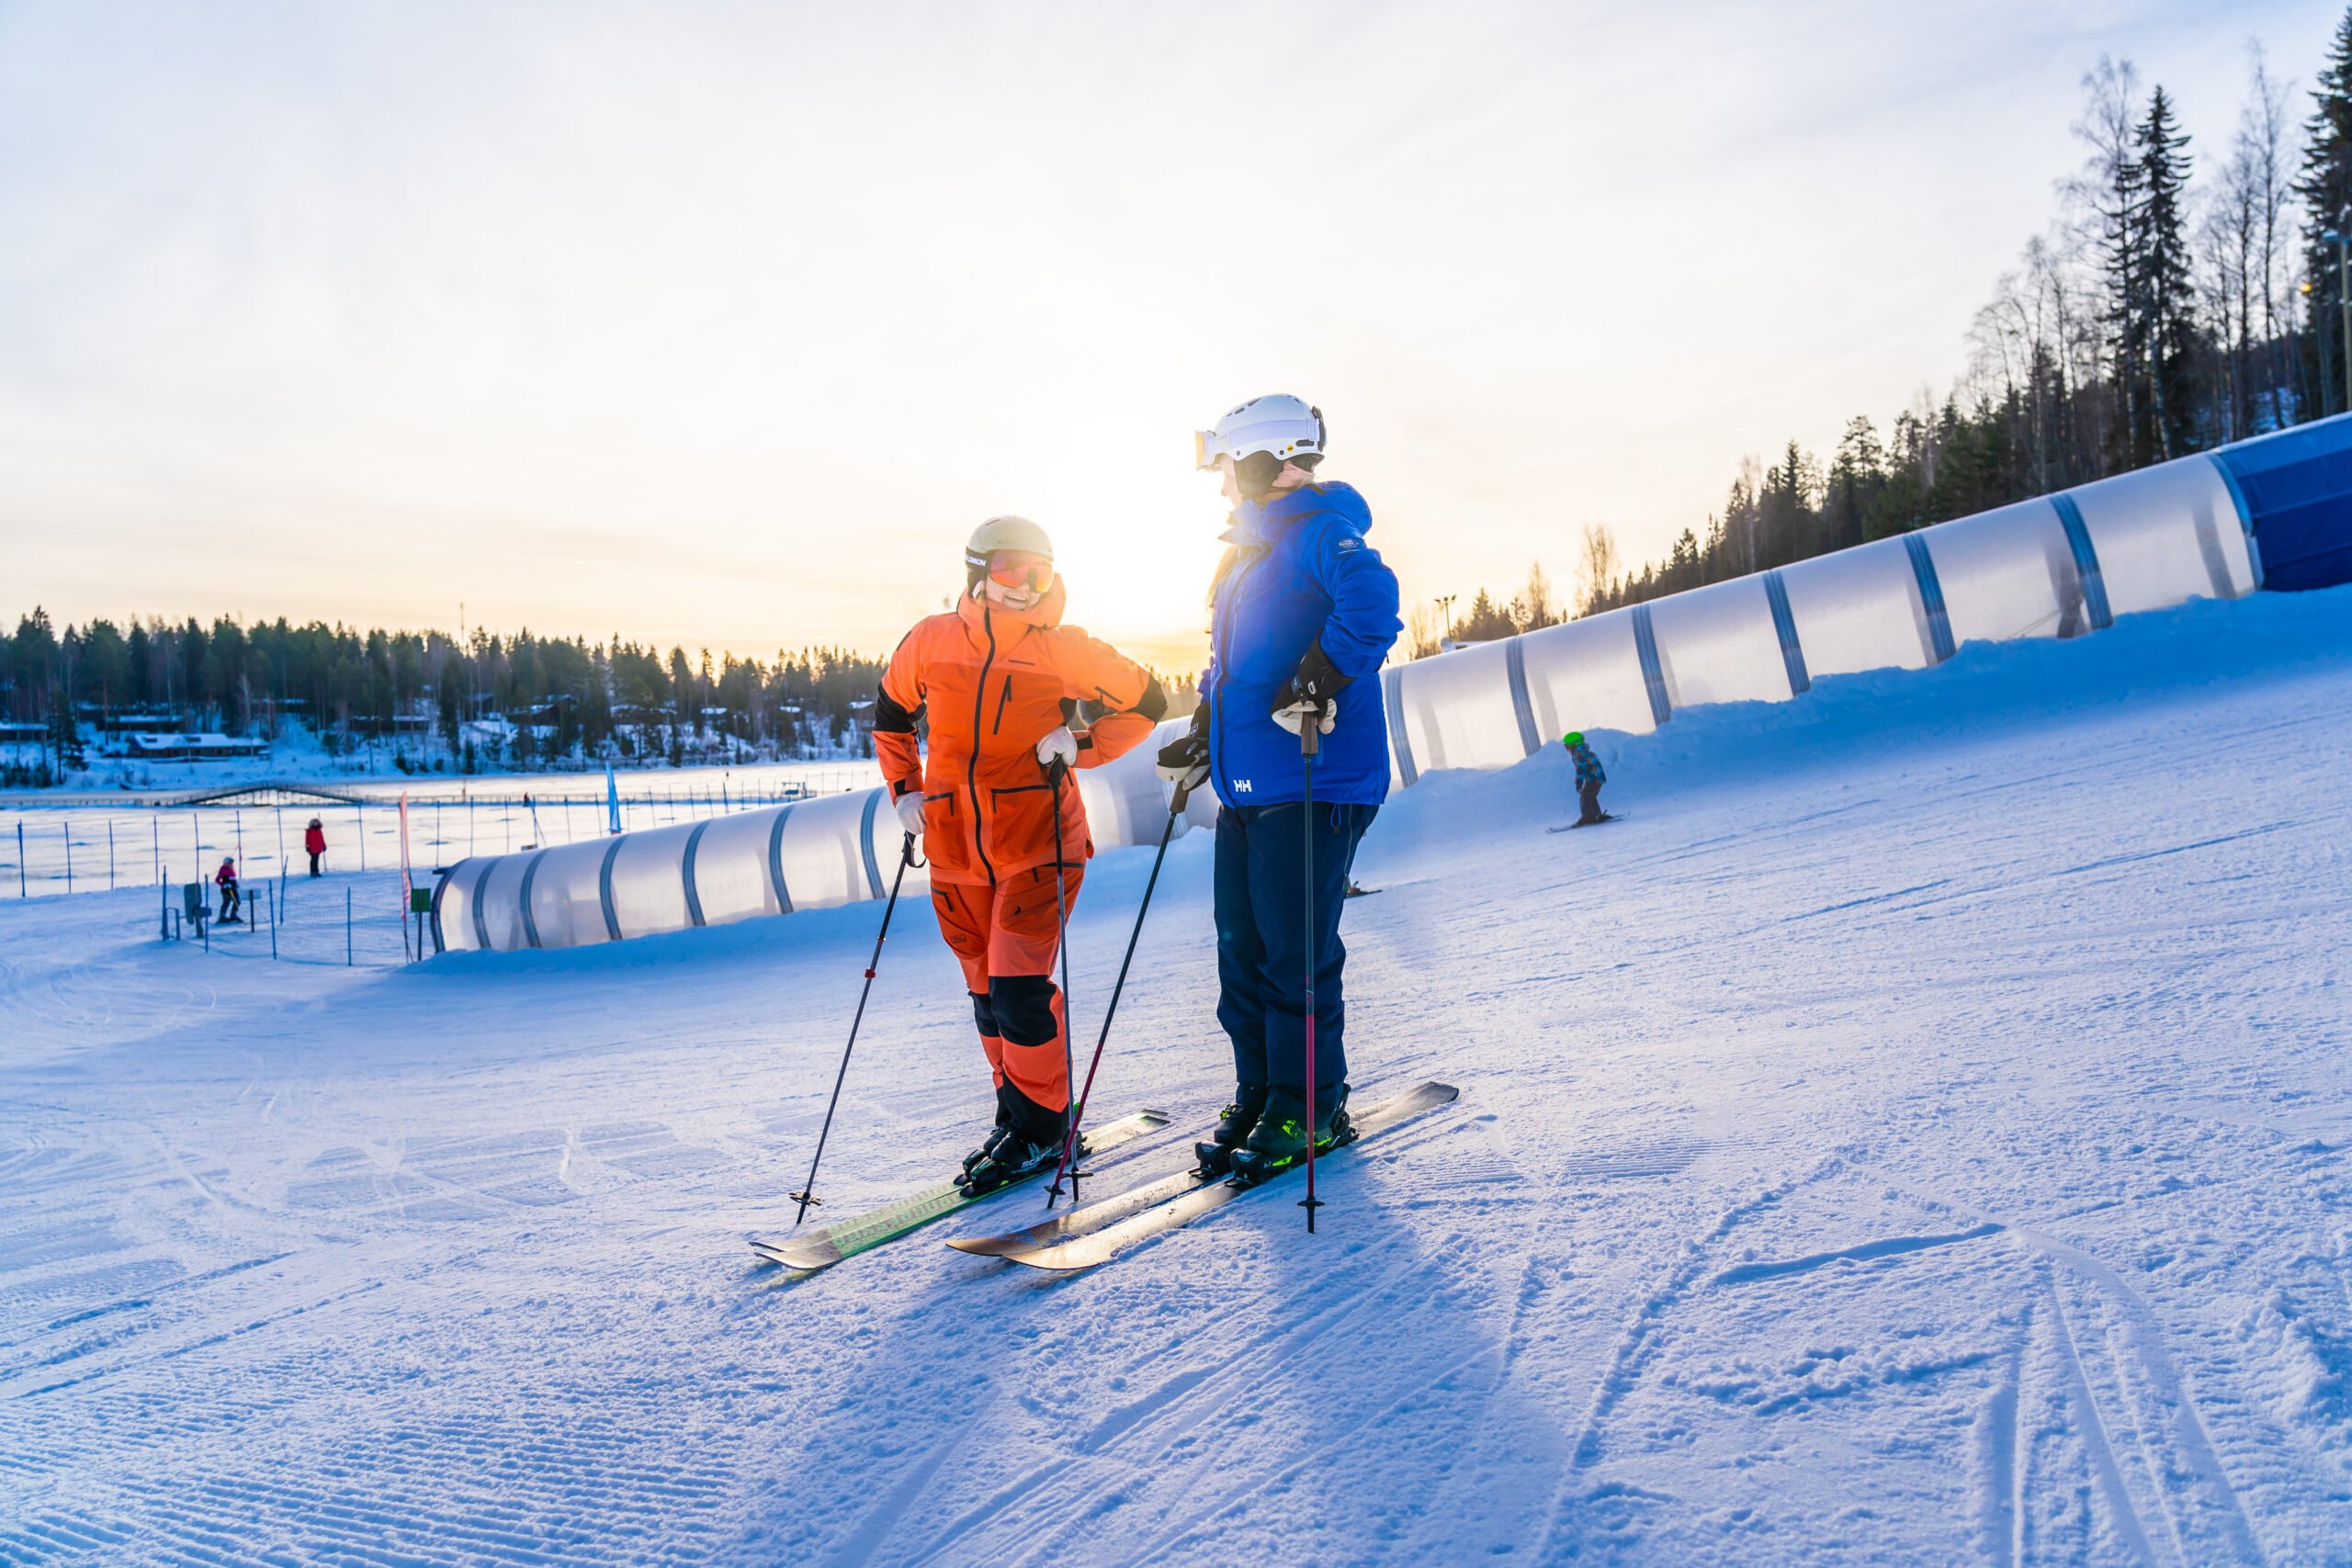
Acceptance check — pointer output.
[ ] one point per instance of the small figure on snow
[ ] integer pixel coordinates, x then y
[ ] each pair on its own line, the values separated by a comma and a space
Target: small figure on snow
1303, 609
226, 880
314, 840
1001, 678
1589, 778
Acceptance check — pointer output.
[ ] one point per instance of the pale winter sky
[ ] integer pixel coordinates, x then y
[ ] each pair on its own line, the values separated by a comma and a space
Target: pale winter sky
722, 325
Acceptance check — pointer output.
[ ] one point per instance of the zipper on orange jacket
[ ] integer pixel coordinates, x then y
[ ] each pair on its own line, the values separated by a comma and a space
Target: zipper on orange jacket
972, 767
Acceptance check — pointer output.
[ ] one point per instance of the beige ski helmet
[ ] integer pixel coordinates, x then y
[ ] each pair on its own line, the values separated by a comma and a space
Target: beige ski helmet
1006, 533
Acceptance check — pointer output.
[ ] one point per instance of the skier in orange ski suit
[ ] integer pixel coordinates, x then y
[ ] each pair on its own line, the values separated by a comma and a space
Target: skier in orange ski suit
1008, 690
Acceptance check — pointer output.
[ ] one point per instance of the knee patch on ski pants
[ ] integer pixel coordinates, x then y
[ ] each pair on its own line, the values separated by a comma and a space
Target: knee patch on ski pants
991, 1037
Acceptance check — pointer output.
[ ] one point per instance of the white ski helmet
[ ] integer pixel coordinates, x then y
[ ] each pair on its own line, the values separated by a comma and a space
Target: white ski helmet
1286, 427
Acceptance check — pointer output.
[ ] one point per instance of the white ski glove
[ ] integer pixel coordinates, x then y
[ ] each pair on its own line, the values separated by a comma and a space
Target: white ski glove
1060, 746
909, 809
1294, 717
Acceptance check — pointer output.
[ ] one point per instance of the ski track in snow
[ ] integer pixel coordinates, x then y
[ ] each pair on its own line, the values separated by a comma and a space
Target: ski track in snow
1918, 1134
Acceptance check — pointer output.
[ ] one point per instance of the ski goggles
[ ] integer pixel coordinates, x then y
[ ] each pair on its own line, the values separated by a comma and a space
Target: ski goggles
1285, 438
1020, 569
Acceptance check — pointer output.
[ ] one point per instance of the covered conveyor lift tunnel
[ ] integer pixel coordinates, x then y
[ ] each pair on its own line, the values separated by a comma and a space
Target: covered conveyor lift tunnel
2059, 566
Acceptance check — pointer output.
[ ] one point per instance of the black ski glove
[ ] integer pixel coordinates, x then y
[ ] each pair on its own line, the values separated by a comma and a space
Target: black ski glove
1312, 688
1184, 761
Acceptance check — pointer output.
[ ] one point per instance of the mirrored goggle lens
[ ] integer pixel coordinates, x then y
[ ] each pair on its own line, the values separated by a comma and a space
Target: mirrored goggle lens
1204, 448
1015, 568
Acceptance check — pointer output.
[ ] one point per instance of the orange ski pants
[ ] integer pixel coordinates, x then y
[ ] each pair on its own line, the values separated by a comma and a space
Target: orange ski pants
1006, 935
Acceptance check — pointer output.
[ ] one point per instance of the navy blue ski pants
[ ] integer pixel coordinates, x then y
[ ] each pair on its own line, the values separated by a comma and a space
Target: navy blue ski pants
1263, 942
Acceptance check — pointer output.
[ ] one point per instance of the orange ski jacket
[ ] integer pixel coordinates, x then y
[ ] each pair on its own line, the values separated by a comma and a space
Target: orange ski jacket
993, 682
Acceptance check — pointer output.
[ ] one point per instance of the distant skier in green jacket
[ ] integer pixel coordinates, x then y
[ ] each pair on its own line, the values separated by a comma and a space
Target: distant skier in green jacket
1589, 778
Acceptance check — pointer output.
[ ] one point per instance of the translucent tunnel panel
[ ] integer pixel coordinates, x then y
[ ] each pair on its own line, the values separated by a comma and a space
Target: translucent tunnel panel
1457, 710
824, 850
461, 890
731, 876
2167, 534
1125, 803
1717, 644
499, 913
1587, 675
648, 882
1858, 609
567, 907
2008, 573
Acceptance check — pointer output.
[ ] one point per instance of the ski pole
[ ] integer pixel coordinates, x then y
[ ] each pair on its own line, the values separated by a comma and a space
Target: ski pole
1077, 1111
1061, 929
807, 1194
1310, 741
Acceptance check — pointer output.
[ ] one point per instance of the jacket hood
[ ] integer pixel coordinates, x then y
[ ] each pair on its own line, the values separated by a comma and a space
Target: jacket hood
1263, 521
1046, 612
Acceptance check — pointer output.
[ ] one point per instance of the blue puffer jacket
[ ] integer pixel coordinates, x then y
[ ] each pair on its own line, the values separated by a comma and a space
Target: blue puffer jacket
1299, 570
1588, 766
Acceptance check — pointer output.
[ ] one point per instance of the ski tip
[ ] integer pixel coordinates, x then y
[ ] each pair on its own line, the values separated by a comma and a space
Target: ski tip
1053, 1261
798, 1259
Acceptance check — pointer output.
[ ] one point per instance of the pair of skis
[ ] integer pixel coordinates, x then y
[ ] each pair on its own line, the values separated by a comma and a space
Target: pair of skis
823, 1248
1091, 1233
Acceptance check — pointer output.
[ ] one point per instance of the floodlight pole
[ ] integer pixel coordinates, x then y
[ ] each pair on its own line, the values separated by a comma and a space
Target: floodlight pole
2344, 294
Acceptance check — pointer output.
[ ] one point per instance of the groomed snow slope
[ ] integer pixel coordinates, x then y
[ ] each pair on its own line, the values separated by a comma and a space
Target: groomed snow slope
1917, 1133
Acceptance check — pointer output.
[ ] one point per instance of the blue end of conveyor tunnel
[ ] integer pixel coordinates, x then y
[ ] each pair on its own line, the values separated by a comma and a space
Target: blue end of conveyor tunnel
2296, 487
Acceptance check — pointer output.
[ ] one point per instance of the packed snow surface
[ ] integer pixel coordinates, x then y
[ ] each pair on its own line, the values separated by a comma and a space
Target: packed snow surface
1915, 1133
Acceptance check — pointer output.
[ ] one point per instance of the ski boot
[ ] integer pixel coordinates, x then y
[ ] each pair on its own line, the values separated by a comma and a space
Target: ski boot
1279, 1140
1231, 1132
1013, 1158
997, 1134
988, 1146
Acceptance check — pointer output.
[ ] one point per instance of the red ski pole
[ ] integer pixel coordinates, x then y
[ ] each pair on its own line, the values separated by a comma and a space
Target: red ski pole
1310, 741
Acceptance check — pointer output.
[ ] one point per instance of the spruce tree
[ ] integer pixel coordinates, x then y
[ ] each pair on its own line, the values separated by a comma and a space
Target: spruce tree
2166, 301
1856, 476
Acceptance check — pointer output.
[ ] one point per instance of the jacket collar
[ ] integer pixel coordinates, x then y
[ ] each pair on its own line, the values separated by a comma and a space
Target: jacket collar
978, 612
1264, 522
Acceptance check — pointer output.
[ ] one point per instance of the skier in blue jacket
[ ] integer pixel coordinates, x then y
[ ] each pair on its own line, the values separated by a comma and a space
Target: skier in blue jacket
1589, 778
1304, 611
